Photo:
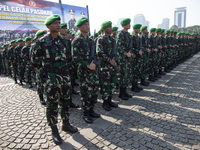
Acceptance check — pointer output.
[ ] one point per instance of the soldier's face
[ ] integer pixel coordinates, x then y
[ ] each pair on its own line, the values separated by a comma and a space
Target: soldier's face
63, 31
20, 43
153, 33
72, 16
114, 32
128, 26
54, 26
144, 31
136, 30
84, 27
108, 30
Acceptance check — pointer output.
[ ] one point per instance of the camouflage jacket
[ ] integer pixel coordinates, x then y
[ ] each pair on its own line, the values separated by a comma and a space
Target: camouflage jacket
25, 54
52, 53
17, 54
144, 42
153, 42
136, 44
104, 50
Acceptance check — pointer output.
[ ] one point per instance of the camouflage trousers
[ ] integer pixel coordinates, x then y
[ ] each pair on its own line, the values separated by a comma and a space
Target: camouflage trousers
28, 73
89, 88
125, 72
136, 69
57, 91
144, 65
107, 83
15, 70
40, 85
21, 69
152, 63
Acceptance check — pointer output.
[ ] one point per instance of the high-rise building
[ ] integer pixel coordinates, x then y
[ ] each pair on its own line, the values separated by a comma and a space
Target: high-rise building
164, 24
140, 18
180, 17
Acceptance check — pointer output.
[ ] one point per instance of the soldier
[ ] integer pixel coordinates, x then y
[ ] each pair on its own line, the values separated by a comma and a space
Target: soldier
5, 58
145, 59
114, 32
72, 21
168, 55
25, 55
63, 32
83, 54
106, 53
17, 60
124, 47
11, 56
136, 66
55, 54
40, 86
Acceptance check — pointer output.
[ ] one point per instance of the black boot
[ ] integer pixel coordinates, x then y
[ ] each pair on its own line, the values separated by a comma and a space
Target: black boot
21, 82
30, 85
72, 105
161, 72
151, 78
94, 114
117, 86
15, 80
143, 82
122, 94
55, 135
157, 75
167, 70
112, 104
135, 87
106, 106
87, 117
126, 94
68, 128
42, 101
139, 88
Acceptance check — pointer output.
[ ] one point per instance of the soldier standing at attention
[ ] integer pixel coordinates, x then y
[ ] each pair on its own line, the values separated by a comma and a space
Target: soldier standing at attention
63, 32
106, 52
82, 48
54, 53
25, 55
123, 49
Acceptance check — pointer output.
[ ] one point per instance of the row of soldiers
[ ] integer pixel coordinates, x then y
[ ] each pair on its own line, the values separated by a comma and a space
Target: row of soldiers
102, 62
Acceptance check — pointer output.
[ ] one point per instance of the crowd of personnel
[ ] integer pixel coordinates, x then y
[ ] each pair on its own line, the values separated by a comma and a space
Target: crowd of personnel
108, 60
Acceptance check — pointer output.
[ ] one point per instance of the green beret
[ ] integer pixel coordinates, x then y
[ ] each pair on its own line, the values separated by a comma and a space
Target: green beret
96, 34
12, 41
78, 33
162, 30
28, 39
68, 31
172, 31
179, 33
175, 32
125, 21
40, 32
99, 32
158, 30
51, 19
167, 31
72, 34
143, 28
114, 28
137, 26
91, 36
20, 40
152, 29
81, 21
4, 45
63, 24
106, 24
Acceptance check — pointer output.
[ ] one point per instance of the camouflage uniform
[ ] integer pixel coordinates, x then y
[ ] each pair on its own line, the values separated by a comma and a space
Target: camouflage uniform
55, 56
25, 55
89, 83
108, 72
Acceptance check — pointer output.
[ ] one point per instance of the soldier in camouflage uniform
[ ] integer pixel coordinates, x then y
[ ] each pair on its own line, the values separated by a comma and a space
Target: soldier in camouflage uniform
136, 66
25, 55
17, 60
145, 55
124, 49
83, 50
5, 58
40, 86
11, 55
106, 53
168, 54
63, 32
55, 54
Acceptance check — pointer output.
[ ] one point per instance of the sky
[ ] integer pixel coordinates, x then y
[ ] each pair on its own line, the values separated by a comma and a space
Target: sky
153, 10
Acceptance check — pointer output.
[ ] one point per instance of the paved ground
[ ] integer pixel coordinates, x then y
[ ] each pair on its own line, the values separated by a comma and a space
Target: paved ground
166, 115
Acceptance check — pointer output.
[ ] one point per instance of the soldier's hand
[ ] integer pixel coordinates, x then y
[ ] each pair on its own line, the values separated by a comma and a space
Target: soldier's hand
140, 52
160, 47
148, 50
155, 49
112, 62
92, 66
128, 54
165, 46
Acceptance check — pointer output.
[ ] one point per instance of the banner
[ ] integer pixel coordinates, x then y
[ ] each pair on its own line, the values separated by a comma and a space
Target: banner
31, 14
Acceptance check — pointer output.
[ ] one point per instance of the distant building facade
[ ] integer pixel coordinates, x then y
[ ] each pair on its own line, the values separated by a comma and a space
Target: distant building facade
180, 17
140, 18
164, 24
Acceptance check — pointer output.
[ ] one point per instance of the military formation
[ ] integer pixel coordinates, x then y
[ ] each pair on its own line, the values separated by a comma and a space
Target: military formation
102, 63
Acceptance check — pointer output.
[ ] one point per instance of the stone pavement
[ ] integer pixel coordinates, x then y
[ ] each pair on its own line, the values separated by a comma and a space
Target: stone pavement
166, 115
